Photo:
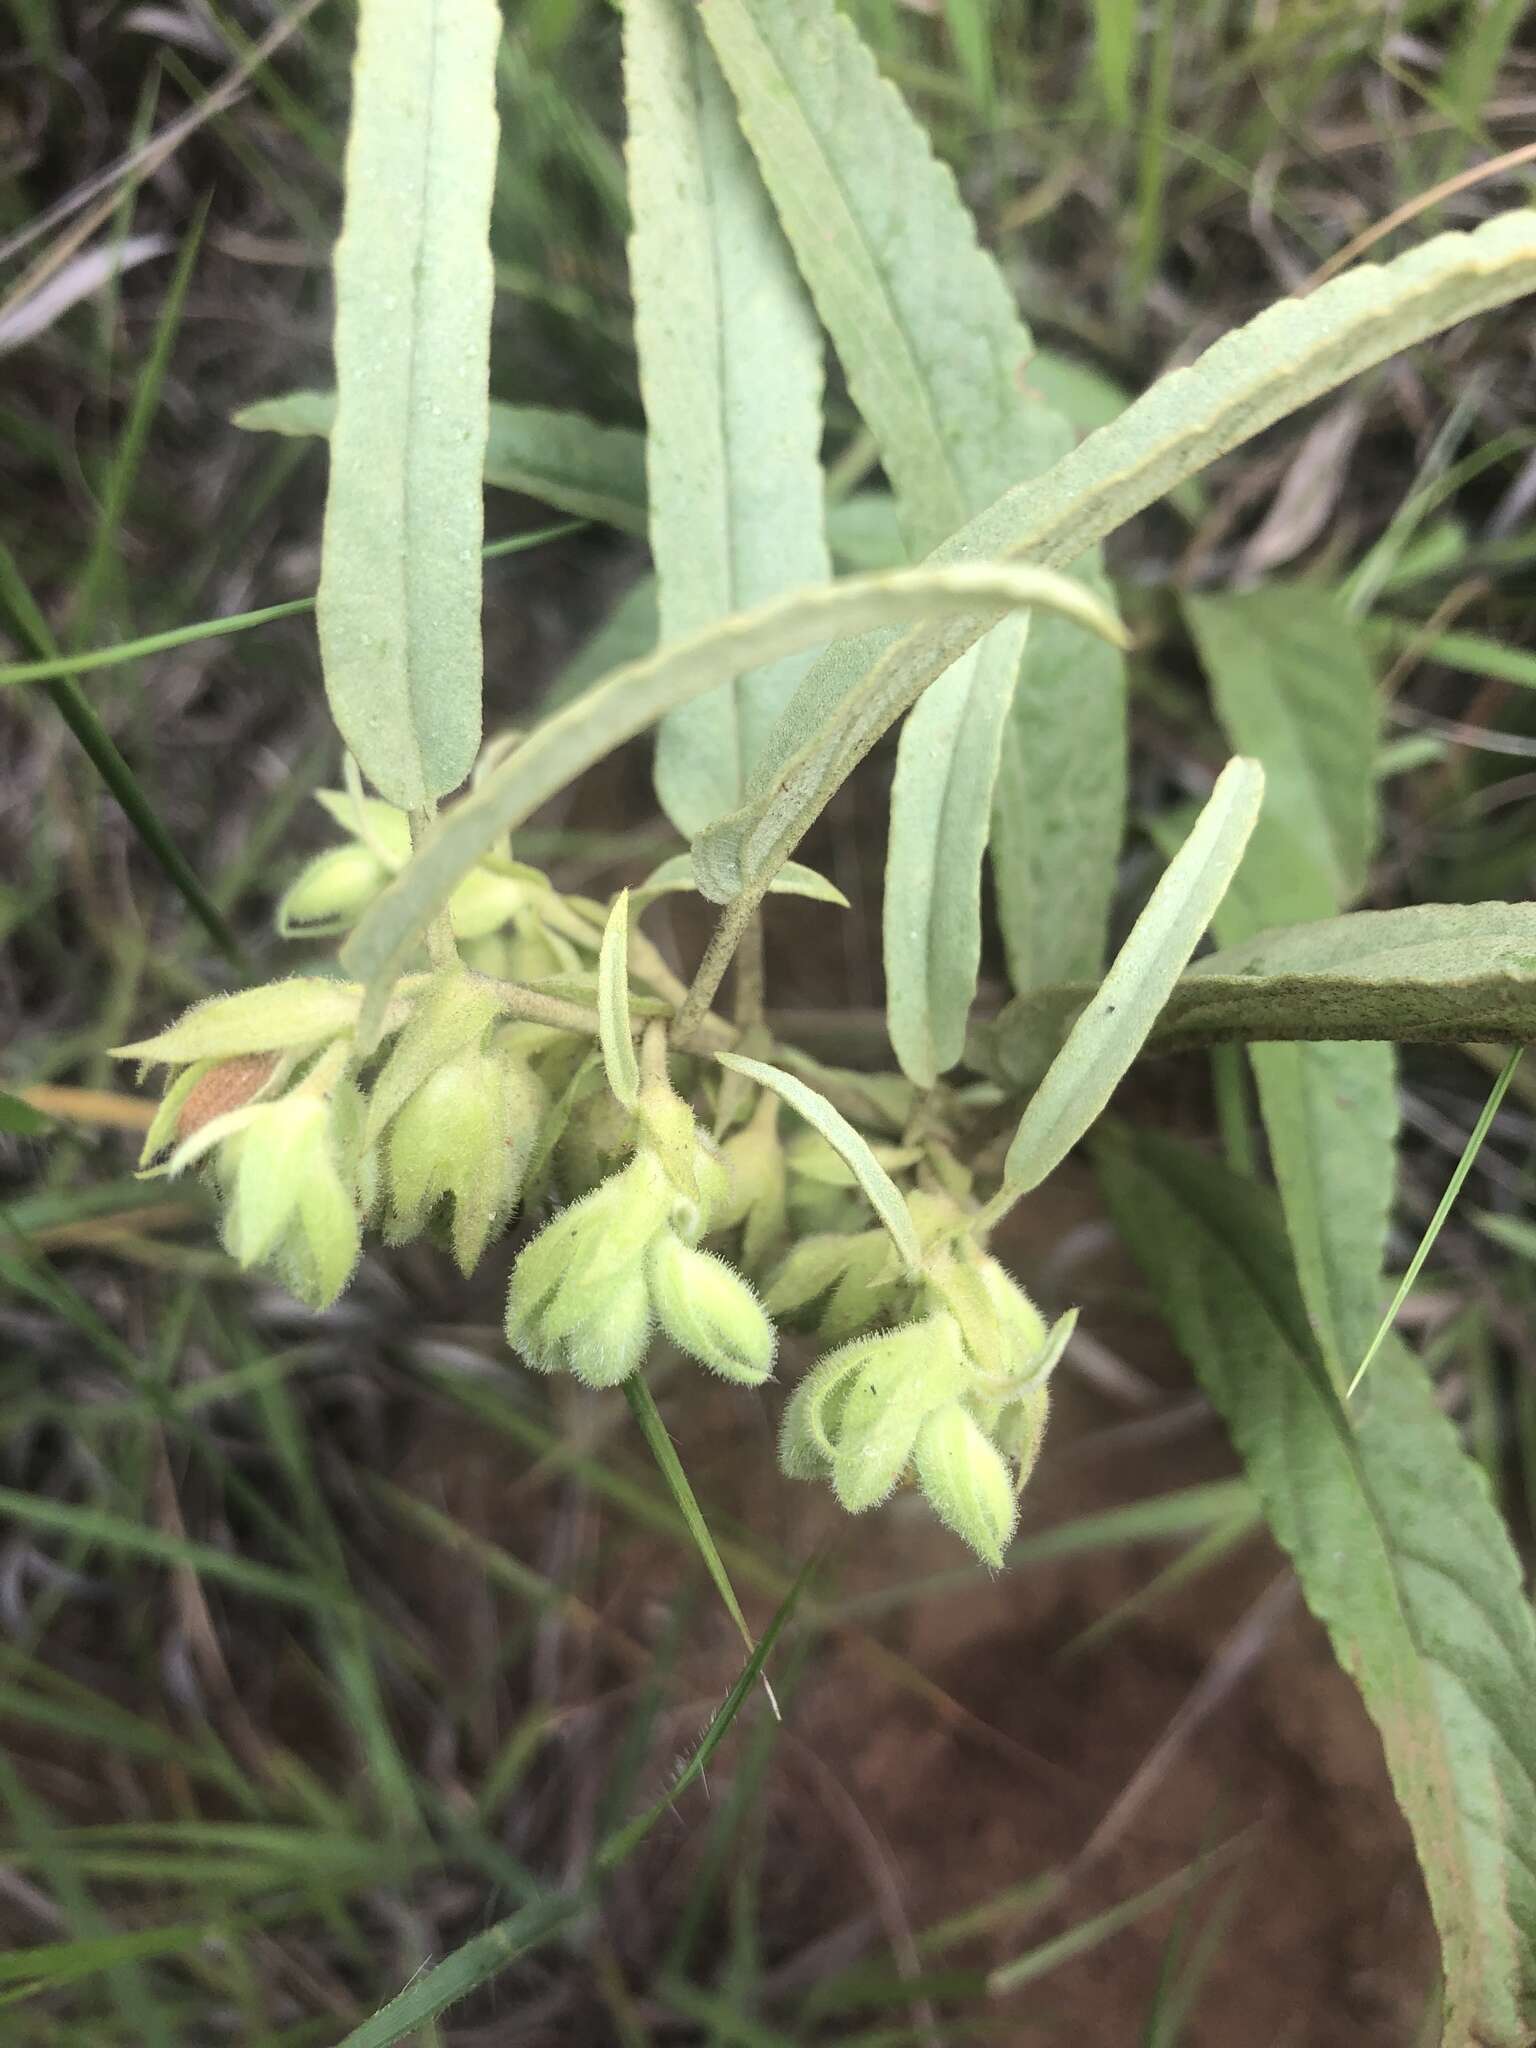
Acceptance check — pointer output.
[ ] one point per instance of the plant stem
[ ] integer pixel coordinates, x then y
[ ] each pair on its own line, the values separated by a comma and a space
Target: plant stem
728, 935
749, 976
533, 1006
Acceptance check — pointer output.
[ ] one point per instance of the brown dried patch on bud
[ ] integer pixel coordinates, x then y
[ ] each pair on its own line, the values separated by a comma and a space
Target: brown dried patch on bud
229, 1085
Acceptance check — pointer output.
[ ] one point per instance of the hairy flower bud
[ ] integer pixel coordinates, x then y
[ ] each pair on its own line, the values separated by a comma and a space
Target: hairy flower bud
464, 1137
966, 1481
709, 1311
332, 891
290, 1201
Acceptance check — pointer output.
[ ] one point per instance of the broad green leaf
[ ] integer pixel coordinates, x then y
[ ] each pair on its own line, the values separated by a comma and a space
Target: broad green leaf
1059, 804
1288, 356
934, 349
1292, 685
636, 695
561, 458
890, 253
883, 1193
619, 1061
1399, 1550
1433, 974
731, 375
1330, 1114
1119, 1017
791, 880
399, 602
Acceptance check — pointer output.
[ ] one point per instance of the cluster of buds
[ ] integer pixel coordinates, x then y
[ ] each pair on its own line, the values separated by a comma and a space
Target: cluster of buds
453, 1116
956, 1394
589, 1291
267, 1103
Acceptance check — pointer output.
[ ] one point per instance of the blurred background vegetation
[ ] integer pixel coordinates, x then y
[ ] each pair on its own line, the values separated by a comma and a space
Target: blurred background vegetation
325, 1641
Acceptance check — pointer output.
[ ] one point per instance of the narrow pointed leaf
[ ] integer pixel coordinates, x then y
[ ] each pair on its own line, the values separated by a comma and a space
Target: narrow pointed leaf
1118, 1020
1400, 1552
619, 1061
890, 252
1058, 805
730, 371
883, 1193
636, 695
399, 601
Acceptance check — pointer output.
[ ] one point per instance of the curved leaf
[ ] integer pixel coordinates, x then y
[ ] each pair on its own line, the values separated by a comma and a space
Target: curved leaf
636, 695
1119, 1017
399, 601
1400, 1553
890, 253
730, 371
1291, 354
619, 1061
883, 1193
1058, 806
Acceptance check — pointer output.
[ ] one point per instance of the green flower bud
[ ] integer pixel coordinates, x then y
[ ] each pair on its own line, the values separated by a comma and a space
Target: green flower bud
286, 1016
463, 1137
289, 1200
1021, 1325
904, 1375
484, 902
561, 1276
332, 891
709, 1311
609, 1345
966, 1481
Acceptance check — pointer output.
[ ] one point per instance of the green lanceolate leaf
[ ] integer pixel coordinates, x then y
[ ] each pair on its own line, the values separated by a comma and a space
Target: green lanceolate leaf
890, 252
730, 371
1330, 1115
941, 804
1288, 356
1118, 1019
636, 695
399, 601
1293, 685
1399, 1550
931, 341
561, 458
884, 1195
1058, 807
1433, 974
614, 1033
